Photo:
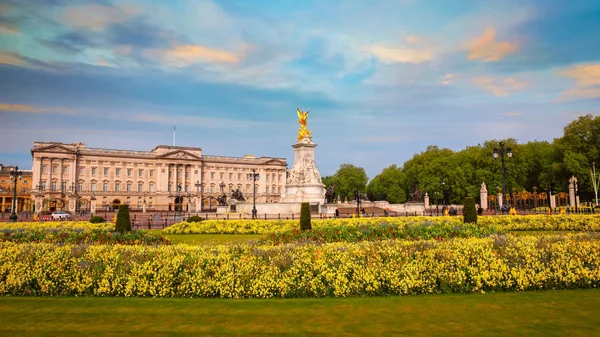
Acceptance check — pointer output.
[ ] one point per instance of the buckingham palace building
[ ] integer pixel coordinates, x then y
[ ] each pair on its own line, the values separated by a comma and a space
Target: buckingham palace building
76, 178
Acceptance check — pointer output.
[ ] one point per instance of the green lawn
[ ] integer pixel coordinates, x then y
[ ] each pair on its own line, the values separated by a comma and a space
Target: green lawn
211, 238
544, 313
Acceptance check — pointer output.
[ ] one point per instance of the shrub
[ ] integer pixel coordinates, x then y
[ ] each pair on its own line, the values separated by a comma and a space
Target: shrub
469, 211
305, 217
194, 218
96, 219
123, 223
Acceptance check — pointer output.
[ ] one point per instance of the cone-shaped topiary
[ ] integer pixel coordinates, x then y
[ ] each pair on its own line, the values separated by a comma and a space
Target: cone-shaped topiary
469, 211
123, 223
305, 217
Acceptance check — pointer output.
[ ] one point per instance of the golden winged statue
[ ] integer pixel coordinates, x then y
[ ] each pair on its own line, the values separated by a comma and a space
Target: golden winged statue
303, 132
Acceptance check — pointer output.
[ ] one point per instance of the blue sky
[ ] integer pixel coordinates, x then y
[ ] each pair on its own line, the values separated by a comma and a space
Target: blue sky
382, 79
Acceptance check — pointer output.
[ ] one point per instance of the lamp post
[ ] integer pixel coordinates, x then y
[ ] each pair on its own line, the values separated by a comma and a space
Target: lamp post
443, 183
15, 175
358, 196
501, 152
254, 177
197, 184
74, 192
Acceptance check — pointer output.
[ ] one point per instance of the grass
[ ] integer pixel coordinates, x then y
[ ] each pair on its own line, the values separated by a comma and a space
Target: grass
199, 239
543, 313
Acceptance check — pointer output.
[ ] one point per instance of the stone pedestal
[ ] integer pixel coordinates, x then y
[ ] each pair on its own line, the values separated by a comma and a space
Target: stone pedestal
222, 209
72, 204
304, 183
500, 200
483, 196
93, 206
552, 201
328, 209
426, 200
572, 183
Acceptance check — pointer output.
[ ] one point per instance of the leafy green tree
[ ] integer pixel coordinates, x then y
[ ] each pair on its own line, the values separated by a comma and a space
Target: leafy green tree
328, 180
349, 178
388, 185
580, 147
123, 223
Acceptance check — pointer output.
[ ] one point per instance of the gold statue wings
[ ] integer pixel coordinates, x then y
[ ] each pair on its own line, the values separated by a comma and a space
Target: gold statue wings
303, 131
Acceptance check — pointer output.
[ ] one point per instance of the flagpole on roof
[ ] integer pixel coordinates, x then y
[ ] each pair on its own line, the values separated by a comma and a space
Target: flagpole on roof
174, 129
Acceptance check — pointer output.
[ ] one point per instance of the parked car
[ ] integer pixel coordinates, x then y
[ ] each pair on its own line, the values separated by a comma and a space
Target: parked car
60, 215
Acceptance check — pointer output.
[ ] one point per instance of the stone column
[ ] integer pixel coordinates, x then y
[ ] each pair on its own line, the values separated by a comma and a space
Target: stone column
2, 204
572, 183
500, 199
426, 199
72, 204
483, 196
49, 179
60, 174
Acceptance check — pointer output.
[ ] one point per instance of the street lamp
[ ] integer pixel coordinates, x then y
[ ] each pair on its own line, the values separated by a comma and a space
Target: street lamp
254, 177
15, 175
74, 192
358, 196
503, 151
443, 183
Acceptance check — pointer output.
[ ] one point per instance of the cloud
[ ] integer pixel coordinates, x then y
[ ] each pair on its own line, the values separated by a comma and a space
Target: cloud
413, 39
448, 78
587, 81
13, 59
487, 49
8, 28
513, 114
4, 8
499, 87
400, 55
97, 17
186, 55
29, 109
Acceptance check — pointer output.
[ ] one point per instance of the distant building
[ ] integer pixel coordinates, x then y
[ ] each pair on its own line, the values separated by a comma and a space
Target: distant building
7, 190
71, 176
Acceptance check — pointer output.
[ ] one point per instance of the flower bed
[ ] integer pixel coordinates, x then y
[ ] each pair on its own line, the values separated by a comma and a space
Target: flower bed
81, 236
39, 225
502, 223
496, 263
357, 232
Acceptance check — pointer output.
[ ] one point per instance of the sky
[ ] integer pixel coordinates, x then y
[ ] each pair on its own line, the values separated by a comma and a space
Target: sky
382, 79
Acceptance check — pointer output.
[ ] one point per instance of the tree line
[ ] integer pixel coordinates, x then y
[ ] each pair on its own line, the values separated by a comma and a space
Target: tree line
545, 165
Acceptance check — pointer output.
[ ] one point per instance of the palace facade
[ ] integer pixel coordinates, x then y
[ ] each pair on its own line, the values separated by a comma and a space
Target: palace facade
73, 177
7, 187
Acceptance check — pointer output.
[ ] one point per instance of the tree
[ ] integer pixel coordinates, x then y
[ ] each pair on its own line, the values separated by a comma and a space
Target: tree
388, 185
469, 211
327, 180
123, 223
349, 178
305, 217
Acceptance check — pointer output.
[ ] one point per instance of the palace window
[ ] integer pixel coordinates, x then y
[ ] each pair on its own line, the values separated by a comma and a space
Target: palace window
63, 186
80, 187
187, 188
273, 177
212, 176
82, 171
212, 188
42, 185
93, 171
267, 189
221, 174
44, 168
128, 187
117, 172
151, 187
279, 178
267, 177
239, 176
53, 185
279, 189
151, 173
106, 171
129, 172
93, 187
169, 188
139, 204
117, 187
247, 189
140, 187
140, 173
105, 187
187, 174
65, 169
54, 169
230, 176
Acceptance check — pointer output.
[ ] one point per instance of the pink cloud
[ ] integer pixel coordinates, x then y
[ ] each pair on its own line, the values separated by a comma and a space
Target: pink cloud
499, 87
13, 59
97, 17
486, 47
8, 29
186, 55
587, 81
